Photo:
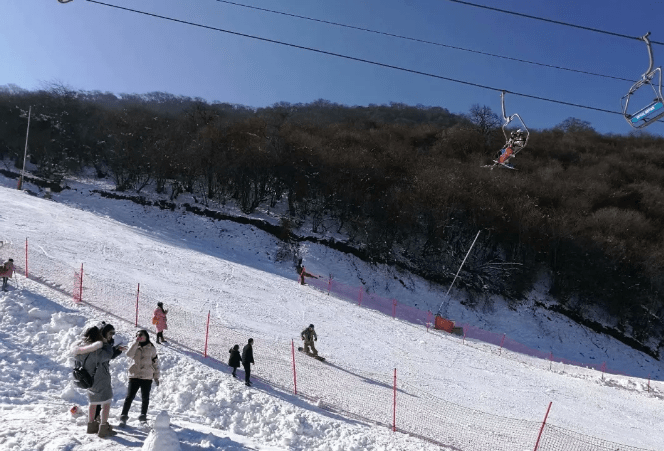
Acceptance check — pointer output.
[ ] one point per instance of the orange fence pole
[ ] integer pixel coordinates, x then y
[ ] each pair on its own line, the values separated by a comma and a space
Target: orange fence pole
294, 374
542, 428
138, 291
207, 330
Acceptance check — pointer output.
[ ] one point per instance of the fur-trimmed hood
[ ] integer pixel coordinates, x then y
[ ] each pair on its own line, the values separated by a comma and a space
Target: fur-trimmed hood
81, 347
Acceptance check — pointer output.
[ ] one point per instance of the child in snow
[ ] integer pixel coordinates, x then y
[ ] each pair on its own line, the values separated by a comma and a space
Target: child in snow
6, 271
235, 359
144, 369
159, 320
94, 353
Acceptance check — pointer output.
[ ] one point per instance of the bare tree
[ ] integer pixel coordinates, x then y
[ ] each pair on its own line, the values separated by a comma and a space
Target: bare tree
485, 122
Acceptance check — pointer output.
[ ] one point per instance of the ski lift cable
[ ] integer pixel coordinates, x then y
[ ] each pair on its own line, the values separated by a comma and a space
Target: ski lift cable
352, 58
557, 22
423, 41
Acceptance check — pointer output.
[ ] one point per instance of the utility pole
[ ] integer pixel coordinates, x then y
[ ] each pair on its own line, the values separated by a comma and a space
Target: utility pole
25, 154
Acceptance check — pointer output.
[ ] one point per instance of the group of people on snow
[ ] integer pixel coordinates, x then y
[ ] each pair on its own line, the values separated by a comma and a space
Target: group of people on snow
97, 349
94, 353
246, 359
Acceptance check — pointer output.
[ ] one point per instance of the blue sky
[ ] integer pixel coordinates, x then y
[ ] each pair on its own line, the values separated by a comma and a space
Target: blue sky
94, 47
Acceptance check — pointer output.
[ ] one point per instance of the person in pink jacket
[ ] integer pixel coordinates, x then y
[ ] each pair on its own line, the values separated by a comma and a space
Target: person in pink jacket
159, 320
6, 271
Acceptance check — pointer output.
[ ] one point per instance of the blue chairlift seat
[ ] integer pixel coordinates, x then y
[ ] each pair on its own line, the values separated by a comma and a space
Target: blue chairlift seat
655, 109
649, 113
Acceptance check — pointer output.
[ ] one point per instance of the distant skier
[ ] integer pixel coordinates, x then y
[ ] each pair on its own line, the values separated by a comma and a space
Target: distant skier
302, 273
309, 336
247, 360
6, 271
235, 359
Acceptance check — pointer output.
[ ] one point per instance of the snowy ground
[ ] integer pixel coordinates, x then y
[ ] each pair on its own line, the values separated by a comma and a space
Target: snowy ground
195, 264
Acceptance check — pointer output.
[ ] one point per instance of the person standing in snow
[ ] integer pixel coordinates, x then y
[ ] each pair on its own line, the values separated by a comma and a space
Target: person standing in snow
94, 353
6, 271
309, 336
159, 320
235, 359
247, 360
142, 372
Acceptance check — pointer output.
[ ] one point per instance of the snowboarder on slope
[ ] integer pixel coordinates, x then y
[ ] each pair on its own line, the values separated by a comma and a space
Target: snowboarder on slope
309, 336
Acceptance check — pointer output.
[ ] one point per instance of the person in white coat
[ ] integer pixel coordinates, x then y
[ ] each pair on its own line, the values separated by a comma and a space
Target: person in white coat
142, 372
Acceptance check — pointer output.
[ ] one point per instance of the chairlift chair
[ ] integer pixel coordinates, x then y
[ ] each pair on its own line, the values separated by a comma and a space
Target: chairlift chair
654, 110
515, 142
519, 139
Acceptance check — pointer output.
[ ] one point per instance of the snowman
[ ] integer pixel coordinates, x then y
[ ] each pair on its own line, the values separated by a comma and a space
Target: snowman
162, 437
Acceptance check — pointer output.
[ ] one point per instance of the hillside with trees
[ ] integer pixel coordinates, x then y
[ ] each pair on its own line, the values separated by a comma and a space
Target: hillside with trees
404, 184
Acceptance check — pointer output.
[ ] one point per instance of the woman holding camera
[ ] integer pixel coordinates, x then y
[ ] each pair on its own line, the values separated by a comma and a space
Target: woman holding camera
144, 369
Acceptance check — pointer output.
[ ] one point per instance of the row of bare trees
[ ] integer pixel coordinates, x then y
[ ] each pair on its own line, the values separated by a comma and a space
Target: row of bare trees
404, 184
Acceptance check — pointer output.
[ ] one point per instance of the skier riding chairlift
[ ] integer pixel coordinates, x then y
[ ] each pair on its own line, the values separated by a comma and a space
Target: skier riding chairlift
654, 110
516, 142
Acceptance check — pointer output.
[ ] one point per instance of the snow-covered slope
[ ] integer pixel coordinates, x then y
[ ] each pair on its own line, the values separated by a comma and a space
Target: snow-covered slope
196, 264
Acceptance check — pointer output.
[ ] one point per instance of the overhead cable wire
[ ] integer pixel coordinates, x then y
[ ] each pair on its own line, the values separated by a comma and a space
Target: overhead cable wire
557, 22
352, 58
423, 41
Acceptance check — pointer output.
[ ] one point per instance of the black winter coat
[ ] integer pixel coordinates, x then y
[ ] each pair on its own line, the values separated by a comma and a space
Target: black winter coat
235, 358
247, 355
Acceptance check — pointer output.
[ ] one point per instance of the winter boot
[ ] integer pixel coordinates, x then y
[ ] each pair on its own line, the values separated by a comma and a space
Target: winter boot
105, 430
142, 418
123, 420
93, 427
